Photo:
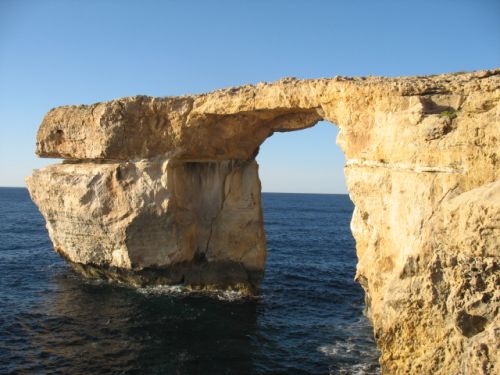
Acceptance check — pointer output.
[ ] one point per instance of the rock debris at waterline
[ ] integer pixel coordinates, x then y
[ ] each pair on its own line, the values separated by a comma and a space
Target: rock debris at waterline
166, 190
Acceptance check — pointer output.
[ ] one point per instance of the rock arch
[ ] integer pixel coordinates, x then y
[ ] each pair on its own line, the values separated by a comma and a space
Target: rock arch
167, 190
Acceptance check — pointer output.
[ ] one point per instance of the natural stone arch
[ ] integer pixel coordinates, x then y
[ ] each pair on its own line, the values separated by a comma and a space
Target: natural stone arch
167, 190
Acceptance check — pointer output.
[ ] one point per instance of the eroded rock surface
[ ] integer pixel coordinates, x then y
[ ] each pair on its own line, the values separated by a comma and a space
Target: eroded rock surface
156, 220
166, 190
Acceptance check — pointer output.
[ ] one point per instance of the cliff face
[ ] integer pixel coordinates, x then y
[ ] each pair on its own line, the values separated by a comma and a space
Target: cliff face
166, 190
156, 220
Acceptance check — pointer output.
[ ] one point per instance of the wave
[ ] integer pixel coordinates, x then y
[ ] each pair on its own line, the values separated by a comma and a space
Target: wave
343, 351
181, 290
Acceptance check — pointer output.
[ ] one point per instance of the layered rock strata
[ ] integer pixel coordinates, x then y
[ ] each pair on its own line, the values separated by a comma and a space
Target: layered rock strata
166, 190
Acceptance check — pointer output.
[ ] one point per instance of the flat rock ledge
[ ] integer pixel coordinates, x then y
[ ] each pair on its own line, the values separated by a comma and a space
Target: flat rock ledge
166, 190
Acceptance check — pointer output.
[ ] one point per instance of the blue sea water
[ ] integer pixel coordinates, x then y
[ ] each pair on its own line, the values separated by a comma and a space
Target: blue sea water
307, 319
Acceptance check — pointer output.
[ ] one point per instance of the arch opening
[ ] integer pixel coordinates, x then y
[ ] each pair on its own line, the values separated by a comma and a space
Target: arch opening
311, 258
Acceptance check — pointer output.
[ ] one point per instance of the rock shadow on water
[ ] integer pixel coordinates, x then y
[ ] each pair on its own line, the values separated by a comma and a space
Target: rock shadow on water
98, 327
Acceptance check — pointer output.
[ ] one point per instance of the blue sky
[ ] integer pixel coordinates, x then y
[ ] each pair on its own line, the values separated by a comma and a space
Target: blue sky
70, 52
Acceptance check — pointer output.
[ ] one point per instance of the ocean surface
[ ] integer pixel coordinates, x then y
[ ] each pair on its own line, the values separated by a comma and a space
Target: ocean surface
308, 318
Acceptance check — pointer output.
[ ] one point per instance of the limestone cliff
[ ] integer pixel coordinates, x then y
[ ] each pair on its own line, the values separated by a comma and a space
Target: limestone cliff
166, 190
167, 222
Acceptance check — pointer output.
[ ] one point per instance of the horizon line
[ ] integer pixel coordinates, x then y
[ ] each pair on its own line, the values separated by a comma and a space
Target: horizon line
264, 192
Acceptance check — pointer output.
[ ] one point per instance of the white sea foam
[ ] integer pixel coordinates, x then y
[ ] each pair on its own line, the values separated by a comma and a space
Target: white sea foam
163, 290
354, 355
344, 350
179, 290
231, 295
339, 349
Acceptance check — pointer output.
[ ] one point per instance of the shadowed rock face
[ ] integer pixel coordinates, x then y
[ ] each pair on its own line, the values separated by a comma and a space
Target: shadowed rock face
167, 190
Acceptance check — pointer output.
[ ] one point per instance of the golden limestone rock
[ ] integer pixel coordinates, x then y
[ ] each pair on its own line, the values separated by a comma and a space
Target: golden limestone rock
166, 190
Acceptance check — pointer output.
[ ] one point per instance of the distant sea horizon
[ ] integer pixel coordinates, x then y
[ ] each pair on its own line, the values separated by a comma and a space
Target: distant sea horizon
263, 192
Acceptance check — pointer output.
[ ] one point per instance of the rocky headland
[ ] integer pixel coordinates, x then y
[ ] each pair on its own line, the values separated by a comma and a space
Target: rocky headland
166, 190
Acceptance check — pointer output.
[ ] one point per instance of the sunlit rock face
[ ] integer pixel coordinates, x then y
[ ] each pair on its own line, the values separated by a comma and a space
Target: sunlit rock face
166, 190
156, 220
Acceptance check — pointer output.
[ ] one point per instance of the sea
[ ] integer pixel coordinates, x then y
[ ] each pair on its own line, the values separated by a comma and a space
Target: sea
306, 319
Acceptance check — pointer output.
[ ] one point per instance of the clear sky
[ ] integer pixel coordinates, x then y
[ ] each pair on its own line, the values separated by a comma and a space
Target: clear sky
71, 52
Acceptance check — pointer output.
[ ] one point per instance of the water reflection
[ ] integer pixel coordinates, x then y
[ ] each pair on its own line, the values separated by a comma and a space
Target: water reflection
85, 328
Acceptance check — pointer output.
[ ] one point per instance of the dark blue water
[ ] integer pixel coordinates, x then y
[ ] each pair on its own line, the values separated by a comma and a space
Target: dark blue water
307, 320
